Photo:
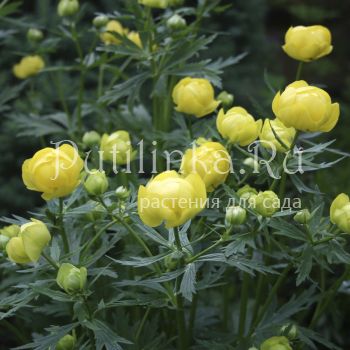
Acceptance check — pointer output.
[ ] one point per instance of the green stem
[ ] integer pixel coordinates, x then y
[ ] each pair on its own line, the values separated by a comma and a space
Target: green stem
50, 260
192, 315
197, 256
62, 229
243, 305
299, 70
142, 324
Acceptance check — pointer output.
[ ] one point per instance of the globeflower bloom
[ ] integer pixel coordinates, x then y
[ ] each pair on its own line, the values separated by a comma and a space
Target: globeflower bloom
340, 212
171, 198
265, 203
195, 97
135, 38
28, 66
53, 171
96, 183
276, 343
108, 37
71, 279
117, 147
306, 108
308, 43
29, 244
285, 136
238, 126
210, 161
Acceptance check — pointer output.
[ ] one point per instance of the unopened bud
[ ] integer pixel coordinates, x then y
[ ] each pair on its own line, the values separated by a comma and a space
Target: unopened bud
290, 331
66, 343
91, 138
71, 279
122, 192
302, 216
226, 99
235, 216
68, 7
176, 22
96, 183
35, 35
251, 163
100, 21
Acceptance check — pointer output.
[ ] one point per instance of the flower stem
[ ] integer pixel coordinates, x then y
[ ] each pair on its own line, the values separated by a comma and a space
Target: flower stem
243, 305
50, 260
62, 229
299, 70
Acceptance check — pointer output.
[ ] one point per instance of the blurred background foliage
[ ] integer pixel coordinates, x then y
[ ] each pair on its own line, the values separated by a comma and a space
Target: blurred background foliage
253, 26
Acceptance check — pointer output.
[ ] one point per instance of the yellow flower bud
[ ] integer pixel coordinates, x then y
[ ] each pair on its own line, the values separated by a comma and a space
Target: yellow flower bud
10, 231
71, 279
91, 138
35, 35
171, 198
265, 203
55, 172
117, 147
96, 183
160, 4
67, 7
276, 343
238, 126
28, 246
285, 136
308, 43
246, 192
306, 108
302, 216
66, 343
235, 216
108, 37
28, 66
340, 212
135, 38
210, 161
195, 96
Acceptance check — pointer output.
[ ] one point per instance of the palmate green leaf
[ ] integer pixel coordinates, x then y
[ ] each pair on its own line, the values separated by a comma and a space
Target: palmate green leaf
309, 337
50, 340
14, 302
286, 229
302, 187
105, 337
336, 253
139, 261
305, 267
188, 283
8, 7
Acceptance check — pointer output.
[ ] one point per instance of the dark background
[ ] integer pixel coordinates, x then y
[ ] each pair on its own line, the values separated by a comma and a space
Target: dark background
254, 26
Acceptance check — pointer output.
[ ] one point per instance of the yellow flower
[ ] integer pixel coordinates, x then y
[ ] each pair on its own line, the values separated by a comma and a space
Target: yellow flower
161, 4
135, 38
112, 26
306, 108
285, 136
28, 246
308, 43
28, 66
54, 172
238, 126
265, 203
340, 212
276, 343
171, 198
10, 231
210, 161
195, 96
117, 147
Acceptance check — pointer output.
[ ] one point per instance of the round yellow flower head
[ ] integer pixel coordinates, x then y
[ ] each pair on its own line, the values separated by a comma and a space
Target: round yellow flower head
340, 212
135, 38
171, 198
117, 147
285, 136
306, 108
71, 279
238, 126
160, 4
27, 247
108, 37
265, 203
308, 43
210, 161
53, 171
195, 96
28, 66
276, 343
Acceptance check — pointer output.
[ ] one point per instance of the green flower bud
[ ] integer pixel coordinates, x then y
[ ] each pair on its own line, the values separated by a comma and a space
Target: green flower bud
226, 99
160, 4
276, 343
71, 279
66, 343
246, 192
35, 35
176, 22
10, 231
3, 242
302, 217
171, 261
67, 7
252, 163
235, 216
290, 331
265, 203
97, 213
100, 21
91, 138
96, 183
122, 192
